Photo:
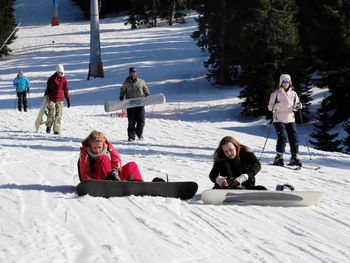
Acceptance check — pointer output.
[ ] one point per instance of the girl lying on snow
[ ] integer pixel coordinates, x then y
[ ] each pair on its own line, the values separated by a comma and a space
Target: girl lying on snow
99, 160
235, 166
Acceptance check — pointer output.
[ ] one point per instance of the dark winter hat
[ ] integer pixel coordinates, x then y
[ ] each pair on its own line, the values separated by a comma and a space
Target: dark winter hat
20, 72
132, 69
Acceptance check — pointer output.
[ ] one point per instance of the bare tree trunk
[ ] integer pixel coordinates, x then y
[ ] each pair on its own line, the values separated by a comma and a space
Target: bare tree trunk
154, 13
172, 15
132, 17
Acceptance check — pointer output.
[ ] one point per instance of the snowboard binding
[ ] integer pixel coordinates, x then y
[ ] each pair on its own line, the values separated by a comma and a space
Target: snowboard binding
281, 187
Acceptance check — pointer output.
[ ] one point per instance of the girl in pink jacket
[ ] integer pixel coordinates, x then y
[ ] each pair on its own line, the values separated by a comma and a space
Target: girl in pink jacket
283, 102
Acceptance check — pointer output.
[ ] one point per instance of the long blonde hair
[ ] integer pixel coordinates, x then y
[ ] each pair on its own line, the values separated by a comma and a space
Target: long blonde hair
94, 136
219, 154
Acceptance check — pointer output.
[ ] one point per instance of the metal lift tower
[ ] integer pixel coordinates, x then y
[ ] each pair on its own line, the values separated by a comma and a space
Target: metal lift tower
95, 66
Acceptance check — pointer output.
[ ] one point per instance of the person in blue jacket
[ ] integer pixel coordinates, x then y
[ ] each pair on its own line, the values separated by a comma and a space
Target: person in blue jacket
22, 86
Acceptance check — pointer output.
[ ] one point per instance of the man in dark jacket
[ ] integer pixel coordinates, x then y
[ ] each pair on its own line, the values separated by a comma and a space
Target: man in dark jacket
134, 87
56, 89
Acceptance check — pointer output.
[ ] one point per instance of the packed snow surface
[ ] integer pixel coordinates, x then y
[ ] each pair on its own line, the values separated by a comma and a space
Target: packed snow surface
43, 220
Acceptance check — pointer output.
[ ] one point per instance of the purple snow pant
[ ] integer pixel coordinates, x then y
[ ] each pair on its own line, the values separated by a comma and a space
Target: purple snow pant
284, 131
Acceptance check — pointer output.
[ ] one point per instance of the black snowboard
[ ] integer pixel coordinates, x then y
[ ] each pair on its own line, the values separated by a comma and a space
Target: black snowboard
183, 190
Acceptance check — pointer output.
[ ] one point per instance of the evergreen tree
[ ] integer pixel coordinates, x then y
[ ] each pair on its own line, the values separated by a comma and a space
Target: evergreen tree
324, 140
325, 34
107, 7
154, 12
171, 10
7, 24
272, 47
331, 30
219, 33
146, 12
307, 20
138, 16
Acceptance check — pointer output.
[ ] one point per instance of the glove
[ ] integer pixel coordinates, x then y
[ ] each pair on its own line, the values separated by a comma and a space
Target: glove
242, 178
121, 98
115, 175
237, 182
298, 106
276, 107
68, 103
220, 180
28, 90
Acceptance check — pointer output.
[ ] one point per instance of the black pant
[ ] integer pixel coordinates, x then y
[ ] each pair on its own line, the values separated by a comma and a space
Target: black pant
136, 119
22, 99
285, 131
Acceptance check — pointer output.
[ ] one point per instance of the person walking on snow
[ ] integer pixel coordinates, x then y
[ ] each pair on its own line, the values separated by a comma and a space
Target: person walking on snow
134, 87
22, 86
283, 102
99, 160
56, 88
235, 166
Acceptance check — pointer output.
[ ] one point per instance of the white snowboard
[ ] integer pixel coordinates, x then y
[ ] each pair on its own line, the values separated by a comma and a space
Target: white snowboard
262, 198
158, 98
41, 113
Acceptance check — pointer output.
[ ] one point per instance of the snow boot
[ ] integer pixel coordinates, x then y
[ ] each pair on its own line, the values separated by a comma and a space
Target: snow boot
48, 129
278, 160
294, 160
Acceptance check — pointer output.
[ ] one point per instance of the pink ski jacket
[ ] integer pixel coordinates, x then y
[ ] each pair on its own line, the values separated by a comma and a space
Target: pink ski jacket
288, 100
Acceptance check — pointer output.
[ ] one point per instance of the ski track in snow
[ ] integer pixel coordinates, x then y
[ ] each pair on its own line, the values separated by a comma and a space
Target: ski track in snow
43, 220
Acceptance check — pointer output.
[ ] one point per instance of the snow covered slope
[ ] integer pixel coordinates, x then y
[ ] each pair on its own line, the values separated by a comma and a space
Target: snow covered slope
43, 220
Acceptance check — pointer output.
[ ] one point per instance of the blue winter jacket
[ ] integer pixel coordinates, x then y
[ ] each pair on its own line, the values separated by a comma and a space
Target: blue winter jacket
21, 83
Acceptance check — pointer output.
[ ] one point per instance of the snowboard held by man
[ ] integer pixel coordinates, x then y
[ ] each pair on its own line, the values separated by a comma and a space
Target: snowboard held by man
134, 87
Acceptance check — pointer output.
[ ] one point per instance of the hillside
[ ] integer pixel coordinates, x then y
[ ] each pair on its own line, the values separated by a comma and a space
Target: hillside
43, 220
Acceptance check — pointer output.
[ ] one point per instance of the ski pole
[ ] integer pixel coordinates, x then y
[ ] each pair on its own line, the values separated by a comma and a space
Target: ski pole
267, 137
274, 114
16, 100
275, 109
305, 136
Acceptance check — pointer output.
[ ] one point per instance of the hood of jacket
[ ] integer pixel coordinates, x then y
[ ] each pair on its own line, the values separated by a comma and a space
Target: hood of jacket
285, 76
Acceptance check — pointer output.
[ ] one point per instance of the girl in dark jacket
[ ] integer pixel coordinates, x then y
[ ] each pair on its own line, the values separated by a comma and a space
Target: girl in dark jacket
235, 166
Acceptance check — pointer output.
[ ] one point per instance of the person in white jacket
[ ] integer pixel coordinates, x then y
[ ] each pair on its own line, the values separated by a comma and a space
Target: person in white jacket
283, 102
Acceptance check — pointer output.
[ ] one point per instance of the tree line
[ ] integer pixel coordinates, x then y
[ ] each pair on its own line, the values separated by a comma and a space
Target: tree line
250, 43
141, 12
